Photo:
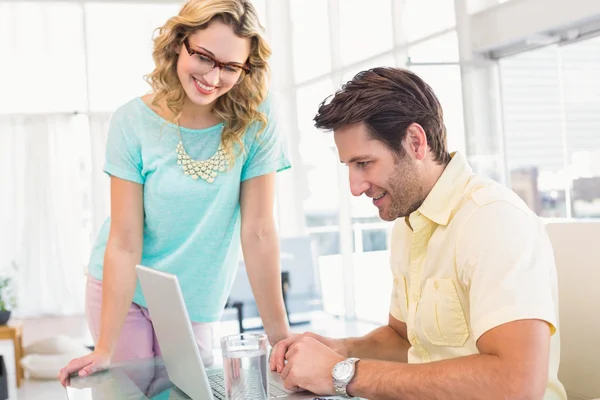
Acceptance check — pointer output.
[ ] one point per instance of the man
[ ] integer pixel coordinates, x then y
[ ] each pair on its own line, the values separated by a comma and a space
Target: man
474, 310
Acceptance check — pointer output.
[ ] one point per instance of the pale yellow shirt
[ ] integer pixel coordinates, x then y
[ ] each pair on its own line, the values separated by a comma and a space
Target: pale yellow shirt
471, 258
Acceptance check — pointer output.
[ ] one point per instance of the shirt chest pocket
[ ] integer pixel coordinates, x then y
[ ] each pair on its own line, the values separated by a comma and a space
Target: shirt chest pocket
441, 313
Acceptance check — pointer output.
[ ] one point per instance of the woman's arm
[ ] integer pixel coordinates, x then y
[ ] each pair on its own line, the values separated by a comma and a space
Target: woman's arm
123, 252
260, 245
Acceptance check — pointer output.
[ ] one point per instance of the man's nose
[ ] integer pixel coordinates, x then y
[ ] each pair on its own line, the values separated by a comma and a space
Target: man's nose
358, 186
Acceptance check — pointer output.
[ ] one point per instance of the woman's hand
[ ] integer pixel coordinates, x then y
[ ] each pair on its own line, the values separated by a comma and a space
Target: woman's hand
280, 350
84, 366
279, 337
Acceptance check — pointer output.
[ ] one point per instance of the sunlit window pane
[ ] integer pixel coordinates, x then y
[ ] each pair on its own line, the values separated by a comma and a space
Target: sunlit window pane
365, 30
443, 48
317, 152
422, 18
321, 207
384, 61
42, 53
581, 63
119, 57
312, 53
445, 81
261, 9
531, 101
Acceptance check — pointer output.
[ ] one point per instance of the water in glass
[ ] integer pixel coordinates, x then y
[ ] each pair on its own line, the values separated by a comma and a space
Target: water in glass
245, 367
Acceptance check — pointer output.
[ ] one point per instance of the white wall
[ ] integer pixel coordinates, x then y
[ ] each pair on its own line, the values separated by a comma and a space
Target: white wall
577, 256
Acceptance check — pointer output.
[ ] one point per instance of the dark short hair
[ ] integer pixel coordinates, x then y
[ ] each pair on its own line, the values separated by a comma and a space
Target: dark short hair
388, 100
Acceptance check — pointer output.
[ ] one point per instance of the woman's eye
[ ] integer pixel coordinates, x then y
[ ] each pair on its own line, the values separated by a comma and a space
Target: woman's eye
204, 58
232, 68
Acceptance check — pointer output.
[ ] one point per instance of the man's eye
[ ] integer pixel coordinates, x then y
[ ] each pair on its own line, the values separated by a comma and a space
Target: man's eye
362, 164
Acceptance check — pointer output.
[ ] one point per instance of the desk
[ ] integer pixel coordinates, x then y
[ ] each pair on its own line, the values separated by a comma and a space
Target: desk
134, 380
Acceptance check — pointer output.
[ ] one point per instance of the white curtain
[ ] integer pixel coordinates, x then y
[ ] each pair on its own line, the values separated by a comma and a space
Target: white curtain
12, 211
100, 182
43, 179
43, 59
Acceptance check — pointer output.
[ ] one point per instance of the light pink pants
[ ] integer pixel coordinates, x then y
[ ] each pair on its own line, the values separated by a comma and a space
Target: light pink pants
137, 339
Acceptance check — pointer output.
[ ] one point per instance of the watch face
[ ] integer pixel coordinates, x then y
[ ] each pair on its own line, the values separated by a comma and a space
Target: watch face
342, 371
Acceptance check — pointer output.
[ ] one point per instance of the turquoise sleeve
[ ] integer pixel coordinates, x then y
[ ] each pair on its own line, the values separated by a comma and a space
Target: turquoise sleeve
123, 151
267, 153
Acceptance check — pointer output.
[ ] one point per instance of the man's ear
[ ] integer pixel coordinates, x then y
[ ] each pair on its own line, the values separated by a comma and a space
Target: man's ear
416, 141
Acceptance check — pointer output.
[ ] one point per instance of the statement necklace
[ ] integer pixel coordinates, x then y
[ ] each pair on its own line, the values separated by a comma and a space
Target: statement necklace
205, 169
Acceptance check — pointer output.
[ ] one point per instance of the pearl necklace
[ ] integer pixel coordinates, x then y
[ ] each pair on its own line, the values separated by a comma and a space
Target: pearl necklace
205, 169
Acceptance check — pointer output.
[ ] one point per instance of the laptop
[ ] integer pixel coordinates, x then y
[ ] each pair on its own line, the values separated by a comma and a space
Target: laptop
180, 351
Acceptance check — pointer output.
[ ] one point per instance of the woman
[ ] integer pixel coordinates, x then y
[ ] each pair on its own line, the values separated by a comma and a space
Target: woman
192, 170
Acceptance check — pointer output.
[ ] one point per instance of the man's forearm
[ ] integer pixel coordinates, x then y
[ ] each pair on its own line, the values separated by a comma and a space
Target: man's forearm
464, 378
261, 254
382, 344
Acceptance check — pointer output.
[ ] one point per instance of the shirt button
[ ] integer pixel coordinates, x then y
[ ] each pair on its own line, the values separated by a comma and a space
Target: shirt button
436, 285
415, 297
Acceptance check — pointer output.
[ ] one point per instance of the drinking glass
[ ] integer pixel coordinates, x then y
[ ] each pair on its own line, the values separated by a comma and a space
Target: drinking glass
245, 366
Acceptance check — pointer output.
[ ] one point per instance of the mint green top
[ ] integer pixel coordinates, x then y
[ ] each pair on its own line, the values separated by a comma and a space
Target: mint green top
191, 227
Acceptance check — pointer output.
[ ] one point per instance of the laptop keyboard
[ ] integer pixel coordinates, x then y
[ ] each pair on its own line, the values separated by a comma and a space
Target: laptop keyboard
217, 382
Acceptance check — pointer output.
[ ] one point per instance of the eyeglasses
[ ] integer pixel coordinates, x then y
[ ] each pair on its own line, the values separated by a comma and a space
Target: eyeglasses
230, 73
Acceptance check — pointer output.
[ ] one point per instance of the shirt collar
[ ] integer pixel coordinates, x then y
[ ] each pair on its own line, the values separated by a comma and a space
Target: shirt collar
447, 191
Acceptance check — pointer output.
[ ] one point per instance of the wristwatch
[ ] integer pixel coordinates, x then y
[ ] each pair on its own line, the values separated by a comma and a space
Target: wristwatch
342, 374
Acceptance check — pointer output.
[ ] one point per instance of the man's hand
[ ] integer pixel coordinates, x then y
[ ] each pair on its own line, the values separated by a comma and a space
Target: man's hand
278, 354
309, 366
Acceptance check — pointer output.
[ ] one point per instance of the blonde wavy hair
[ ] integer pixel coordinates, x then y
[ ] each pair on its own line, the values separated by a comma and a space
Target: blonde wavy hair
238, 108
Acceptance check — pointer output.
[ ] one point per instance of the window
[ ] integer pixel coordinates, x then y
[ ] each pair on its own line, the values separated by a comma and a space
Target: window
443, 48
311, 44
551, 98
374, 240
445, 80
581, 85
422, 18
533, 128
43, 64
119, 57
387, 60
365, 31
261, 9
372, 274
321, 205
